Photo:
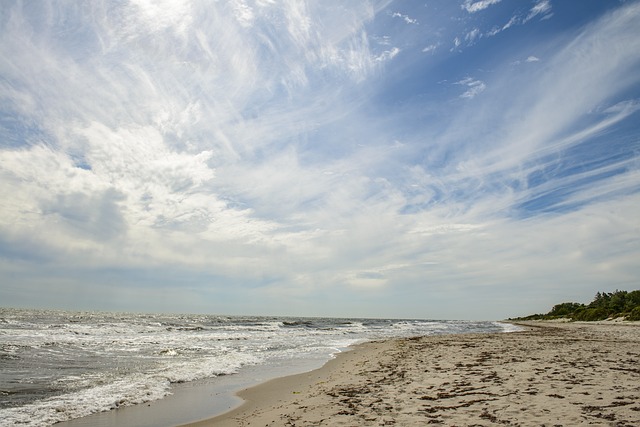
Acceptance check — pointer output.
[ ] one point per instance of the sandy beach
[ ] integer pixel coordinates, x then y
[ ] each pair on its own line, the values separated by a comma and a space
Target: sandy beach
553, 374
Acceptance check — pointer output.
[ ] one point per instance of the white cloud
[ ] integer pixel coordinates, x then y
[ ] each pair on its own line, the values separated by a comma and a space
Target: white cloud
387, 55
430, 49
512, 21
406, 18
210, 138
533, 133
495, 30
243, 13
476, 6
162, 15
472, 35
152, 139
542, 7
474, 86
365, 280
539, 8
383, 41
588, 70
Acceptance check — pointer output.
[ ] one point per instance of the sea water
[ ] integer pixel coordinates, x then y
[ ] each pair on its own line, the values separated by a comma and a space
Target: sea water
59, 365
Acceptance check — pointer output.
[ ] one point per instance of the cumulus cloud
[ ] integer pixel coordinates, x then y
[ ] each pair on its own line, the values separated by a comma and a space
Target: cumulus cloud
155, 143
95, 216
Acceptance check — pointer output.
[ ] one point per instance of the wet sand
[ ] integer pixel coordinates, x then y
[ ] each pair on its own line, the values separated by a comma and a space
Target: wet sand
553, 374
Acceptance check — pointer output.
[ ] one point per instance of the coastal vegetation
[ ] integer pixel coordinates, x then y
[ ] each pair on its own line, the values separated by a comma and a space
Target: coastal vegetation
604, 306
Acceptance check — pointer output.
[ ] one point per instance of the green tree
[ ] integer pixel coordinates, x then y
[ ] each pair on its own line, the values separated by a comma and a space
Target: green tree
604, 305
564, 309
633, 300
591, 314
617, 302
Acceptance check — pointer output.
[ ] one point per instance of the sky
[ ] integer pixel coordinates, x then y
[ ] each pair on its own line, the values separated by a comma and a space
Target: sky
430, 159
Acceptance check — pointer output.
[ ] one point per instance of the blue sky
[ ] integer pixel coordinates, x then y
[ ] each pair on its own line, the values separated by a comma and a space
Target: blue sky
439, 159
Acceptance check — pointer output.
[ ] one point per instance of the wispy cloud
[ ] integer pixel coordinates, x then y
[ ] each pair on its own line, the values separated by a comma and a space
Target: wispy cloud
405, 18
542, 7
476, 6
472, 35
262, 156
512, 21
456, 43
474, 86
429, 49
387, 55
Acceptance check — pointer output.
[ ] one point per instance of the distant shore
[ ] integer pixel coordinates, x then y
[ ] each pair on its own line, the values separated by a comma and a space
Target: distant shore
551, 374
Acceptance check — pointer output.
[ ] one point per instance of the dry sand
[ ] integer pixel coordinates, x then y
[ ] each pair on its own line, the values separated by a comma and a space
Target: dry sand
550, 375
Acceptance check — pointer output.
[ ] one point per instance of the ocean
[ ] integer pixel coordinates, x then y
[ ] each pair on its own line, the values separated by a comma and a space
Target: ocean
61, 365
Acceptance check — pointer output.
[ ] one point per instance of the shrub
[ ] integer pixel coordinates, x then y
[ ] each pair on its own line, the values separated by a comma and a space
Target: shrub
603, 306
590, 314
634, 314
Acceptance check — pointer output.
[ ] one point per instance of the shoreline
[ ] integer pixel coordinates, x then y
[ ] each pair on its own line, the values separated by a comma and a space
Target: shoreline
551, 373
189, 401
193, 401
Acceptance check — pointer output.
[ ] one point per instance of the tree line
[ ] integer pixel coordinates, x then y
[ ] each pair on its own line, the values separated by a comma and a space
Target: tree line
604, 306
